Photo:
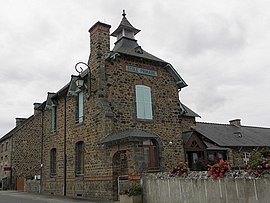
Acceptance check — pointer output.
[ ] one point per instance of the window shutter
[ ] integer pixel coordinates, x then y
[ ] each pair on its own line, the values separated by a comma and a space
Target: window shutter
53, 119
143, 102
147, 103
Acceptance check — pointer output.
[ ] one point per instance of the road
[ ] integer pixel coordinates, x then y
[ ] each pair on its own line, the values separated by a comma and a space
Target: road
23, 197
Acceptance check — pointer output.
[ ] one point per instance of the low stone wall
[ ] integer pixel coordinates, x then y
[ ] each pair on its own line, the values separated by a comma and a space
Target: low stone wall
159, 188
32, 186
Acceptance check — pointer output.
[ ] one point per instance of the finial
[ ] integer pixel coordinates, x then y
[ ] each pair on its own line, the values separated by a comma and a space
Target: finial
124, 14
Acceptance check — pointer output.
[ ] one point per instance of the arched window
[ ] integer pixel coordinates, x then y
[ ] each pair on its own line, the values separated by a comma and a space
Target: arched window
150, 154
53, 162
79, 158
144, 102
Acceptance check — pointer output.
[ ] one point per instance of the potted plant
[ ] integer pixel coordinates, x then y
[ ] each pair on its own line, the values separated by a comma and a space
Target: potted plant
133, 195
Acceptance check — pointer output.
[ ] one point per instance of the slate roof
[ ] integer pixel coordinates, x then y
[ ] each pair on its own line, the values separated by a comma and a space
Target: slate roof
231, 136
125, 24
127, 135
188, 112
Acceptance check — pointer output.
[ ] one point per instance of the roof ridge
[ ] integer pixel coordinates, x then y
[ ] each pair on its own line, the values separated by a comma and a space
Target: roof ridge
225, 124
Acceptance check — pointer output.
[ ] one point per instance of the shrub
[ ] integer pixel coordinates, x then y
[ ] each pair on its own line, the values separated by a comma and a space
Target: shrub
219, 169
260, 167
135, 189
180, 170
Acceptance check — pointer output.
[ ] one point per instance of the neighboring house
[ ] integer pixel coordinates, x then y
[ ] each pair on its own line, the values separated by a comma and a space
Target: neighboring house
234, 142
20, 153
5, 161
26, 149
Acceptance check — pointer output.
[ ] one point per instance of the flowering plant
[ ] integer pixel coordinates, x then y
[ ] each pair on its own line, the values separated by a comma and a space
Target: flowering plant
259, 168
180, 169
219, 169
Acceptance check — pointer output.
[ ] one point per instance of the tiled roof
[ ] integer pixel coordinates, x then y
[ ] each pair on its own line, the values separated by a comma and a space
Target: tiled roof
230, 135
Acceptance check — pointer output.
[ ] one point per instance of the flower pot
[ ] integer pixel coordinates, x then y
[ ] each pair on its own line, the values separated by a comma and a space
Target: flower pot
130, 199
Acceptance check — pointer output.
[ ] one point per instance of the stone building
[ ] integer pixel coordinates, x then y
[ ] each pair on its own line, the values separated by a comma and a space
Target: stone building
5, 161
20, 151
234, 142
124, 119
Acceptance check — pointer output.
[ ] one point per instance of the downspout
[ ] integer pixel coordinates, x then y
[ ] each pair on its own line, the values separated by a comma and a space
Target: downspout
11, 168
41, 154
65, 147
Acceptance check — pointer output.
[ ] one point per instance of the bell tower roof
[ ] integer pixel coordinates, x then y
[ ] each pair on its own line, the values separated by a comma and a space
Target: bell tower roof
125, 29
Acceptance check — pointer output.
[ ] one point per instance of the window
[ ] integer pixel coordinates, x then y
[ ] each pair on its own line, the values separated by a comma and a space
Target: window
6, 146
143, 102
246, 156
53, 162
150, 154
79, 158
53, 118
79, 108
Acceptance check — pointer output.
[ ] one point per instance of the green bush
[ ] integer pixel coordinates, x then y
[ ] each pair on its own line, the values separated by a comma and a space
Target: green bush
135, 189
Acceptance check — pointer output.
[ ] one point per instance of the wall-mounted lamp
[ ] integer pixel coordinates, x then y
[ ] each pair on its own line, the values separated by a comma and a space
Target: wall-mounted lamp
80, 81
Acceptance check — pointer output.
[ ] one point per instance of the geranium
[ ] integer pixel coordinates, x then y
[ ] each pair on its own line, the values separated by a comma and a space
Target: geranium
180, 170
219, 169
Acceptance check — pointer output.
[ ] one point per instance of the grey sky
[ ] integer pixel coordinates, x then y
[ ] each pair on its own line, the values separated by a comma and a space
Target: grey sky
220, 48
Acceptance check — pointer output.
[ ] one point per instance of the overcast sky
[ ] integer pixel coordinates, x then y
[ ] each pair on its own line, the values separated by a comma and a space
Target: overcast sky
220, 48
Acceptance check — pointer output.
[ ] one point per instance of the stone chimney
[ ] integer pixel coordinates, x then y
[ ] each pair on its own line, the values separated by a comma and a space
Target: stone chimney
20, 121
99, 50
99, 43
36, 105
235, 122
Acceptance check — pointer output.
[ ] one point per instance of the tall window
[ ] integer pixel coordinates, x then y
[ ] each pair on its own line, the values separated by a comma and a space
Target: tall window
143, 102
53, 118
53, 162
79, 108
6, 146
150, 154
79, 158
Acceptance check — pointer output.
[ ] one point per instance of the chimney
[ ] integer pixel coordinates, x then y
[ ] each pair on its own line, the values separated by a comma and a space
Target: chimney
99, 43
235, 122
99, 50
36, 110
20, 121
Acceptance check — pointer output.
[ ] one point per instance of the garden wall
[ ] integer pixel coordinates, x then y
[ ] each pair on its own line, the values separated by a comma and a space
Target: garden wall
32, 186
161, 188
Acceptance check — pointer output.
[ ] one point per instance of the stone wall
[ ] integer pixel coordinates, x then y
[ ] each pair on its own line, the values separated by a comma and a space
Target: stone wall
26, 149
174, 190
32, 186
165, 102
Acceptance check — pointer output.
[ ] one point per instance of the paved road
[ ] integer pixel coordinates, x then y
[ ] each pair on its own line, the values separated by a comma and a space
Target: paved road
23, 197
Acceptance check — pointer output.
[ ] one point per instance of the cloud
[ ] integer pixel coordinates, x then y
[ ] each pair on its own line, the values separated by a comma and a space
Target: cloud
217, 33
